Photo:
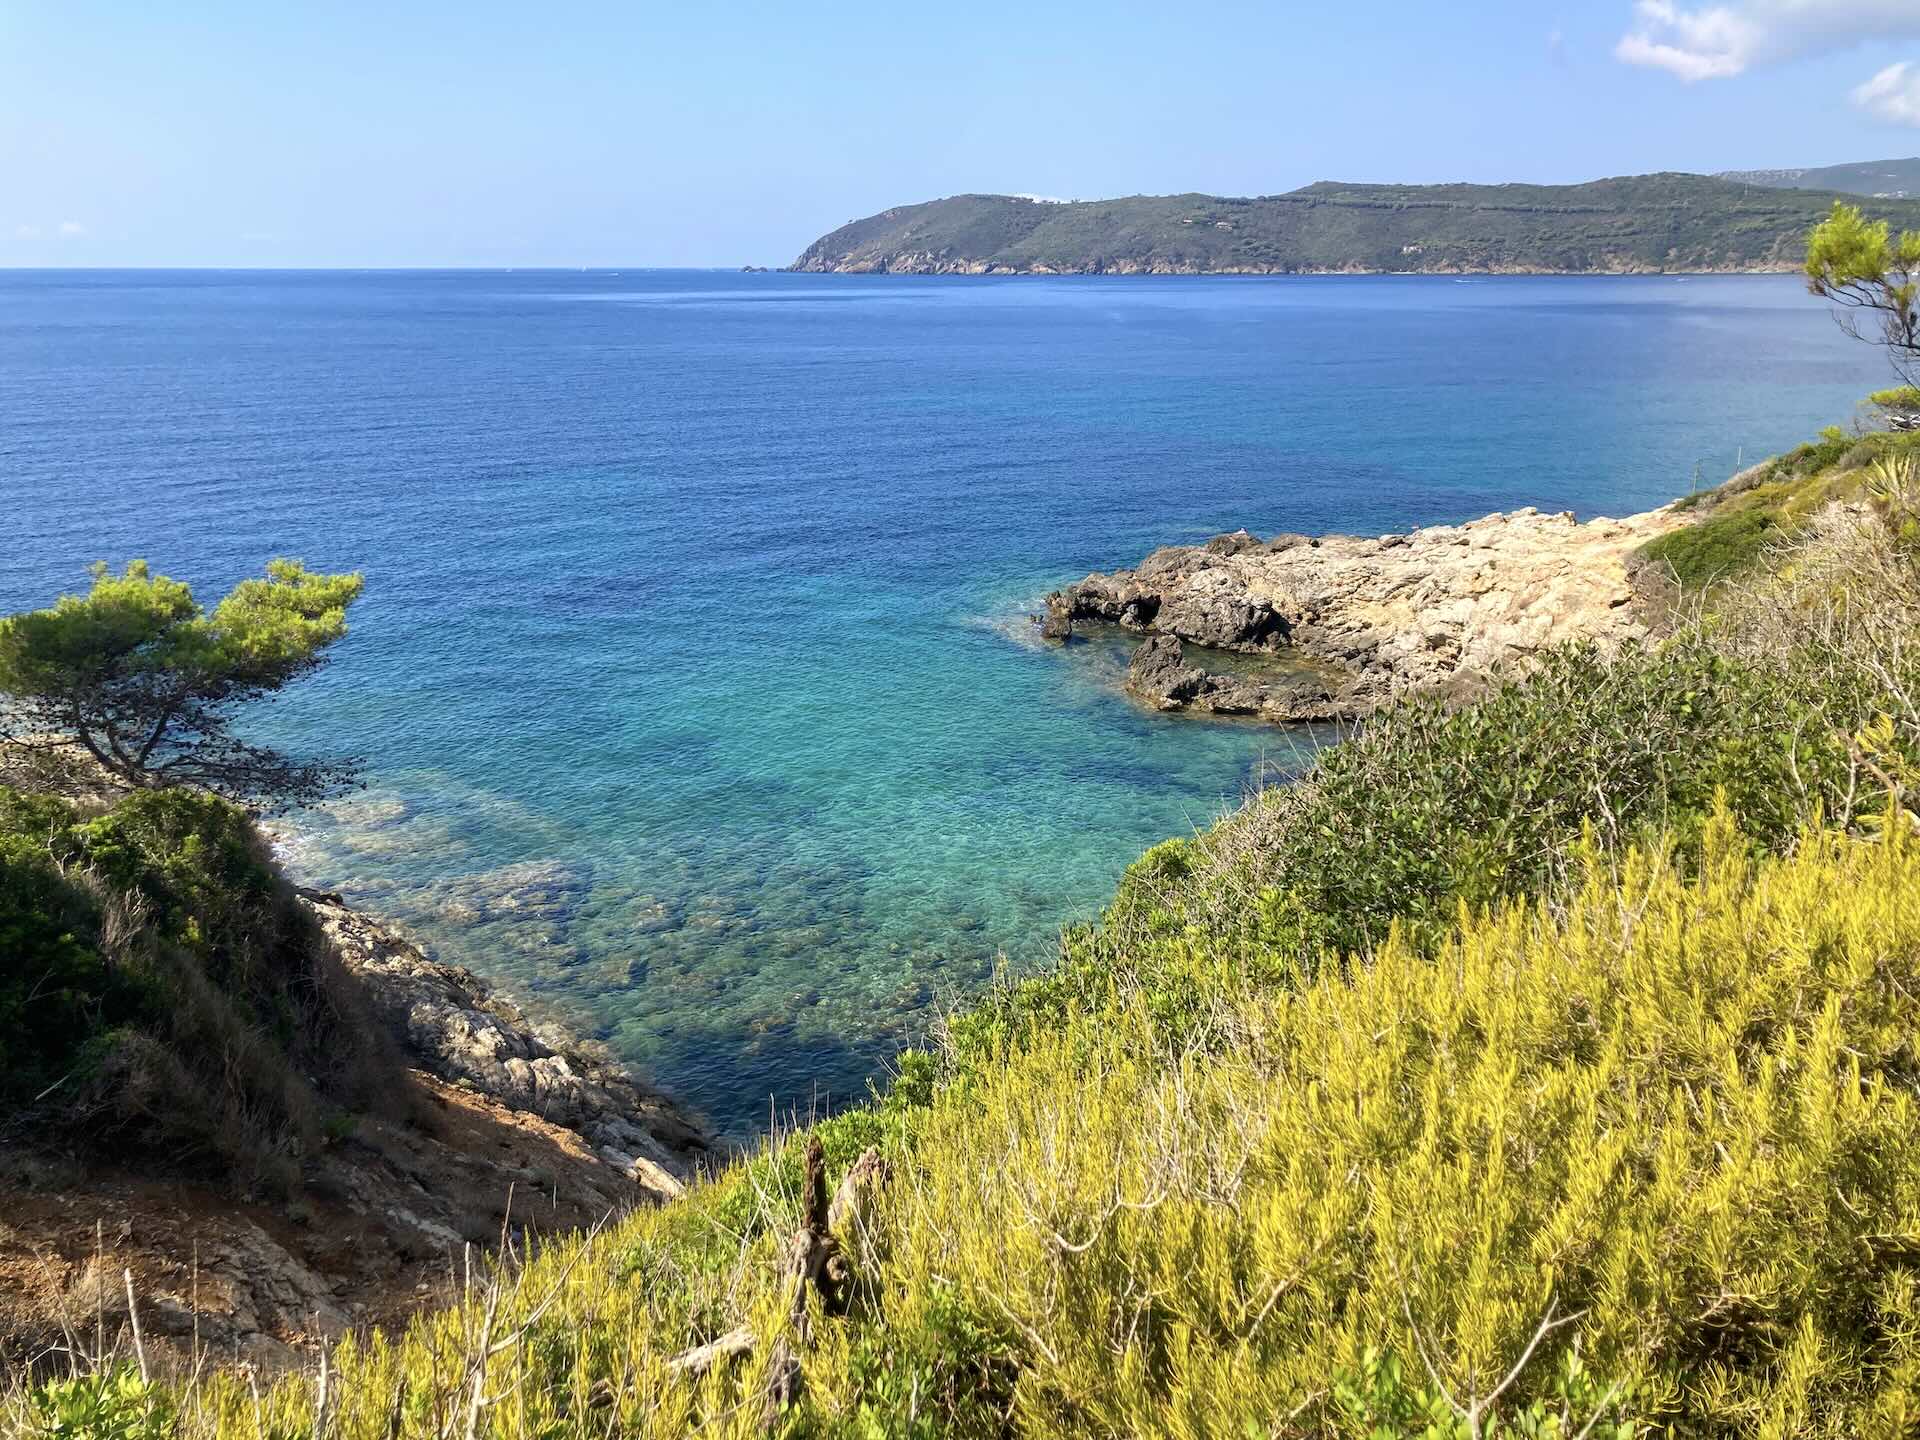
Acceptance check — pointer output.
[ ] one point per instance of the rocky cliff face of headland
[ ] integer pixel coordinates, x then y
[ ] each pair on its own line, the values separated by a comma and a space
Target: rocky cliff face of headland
1360, 621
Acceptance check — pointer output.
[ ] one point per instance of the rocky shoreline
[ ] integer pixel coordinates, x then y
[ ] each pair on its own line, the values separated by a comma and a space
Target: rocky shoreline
457, 1028
1361, 621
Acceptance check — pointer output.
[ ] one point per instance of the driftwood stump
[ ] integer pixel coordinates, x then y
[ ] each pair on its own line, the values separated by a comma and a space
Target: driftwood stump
816, 1260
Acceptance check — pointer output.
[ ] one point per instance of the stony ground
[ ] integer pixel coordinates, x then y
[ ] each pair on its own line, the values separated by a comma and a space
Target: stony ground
450, 1022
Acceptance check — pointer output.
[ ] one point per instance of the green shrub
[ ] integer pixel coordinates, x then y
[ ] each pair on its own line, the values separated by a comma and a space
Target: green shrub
63, 986
1817, 456
56, 990
1379, 1399
163, 985
199, 865
1429, 808
111, 1404
942, 1369
1716, 548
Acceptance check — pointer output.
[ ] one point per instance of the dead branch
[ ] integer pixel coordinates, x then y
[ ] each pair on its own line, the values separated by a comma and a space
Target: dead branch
816, 1263
697, 1361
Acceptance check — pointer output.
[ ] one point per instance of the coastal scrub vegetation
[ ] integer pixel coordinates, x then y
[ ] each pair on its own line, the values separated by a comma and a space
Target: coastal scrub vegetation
1643, 1156
163, 991
138, 676
1735, 527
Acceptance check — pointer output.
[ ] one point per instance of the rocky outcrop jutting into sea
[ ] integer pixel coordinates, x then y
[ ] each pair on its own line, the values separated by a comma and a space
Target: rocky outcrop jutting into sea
1366, 619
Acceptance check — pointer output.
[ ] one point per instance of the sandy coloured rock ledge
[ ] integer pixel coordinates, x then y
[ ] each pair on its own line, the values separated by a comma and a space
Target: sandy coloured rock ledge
1361, 620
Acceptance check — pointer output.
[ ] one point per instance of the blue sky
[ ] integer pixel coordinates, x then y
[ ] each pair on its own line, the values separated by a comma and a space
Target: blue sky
419, 132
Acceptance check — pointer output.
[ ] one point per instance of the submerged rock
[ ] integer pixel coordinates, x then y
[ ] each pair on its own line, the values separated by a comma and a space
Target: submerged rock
544, 890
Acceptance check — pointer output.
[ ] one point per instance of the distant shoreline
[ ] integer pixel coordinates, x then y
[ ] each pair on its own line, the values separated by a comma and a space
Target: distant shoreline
1642, 224
1121, 272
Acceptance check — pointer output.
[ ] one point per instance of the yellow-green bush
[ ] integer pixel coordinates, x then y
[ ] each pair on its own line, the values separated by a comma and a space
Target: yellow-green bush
1671, 1120
1683, 1112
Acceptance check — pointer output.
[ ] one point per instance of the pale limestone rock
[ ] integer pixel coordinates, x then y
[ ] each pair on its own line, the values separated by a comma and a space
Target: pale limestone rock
1436, 608
455, 1028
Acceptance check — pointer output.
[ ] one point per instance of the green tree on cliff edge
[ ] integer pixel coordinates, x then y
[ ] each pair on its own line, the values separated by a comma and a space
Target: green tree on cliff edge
140, 677
1874, 277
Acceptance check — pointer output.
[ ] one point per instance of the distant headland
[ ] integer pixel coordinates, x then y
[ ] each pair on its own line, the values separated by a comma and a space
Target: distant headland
1644, 224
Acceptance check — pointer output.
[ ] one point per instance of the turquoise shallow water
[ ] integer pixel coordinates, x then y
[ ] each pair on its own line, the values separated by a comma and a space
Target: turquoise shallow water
693, 677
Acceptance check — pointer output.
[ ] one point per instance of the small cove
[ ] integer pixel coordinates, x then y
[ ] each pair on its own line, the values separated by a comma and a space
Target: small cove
694, 679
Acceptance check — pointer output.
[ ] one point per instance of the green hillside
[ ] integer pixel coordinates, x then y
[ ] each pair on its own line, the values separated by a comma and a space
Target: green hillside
1640, 224
1889, 179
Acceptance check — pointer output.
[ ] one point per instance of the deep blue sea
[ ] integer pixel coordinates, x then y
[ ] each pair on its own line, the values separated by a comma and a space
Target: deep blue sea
693, 677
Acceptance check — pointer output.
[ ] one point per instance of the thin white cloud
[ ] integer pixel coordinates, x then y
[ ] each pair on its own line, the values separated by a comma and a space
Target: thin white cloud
1717, 41
1893, 95
72, 228
26, 232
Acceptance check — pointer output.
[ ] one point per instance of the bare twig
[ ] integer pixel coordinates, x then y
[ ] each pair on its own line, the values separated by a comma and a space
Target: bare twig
133, 1318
